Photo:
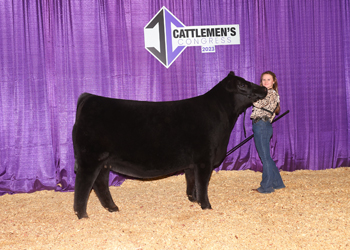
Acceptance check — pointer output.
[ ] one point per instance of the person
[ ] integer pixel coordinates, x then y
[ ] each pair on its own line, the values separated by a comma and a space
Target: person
263, 112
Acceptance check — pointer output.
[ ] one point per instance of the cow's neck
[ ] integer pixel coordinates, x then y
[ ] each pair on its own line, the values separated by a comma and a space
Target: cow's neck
231, 105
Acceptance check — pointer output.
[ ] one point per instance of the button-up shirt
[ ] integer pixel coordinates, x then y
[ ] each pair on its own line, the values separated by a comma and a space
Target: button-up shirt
270, 103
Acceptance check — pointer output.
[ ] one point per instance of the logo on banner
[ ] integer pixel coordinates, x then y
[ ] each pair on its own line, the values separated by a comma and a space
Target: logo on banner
166, 37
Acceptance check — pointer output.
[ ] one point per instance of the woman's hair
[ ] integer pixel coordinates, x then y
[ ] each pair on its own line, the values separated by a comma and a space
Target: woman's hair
275, 86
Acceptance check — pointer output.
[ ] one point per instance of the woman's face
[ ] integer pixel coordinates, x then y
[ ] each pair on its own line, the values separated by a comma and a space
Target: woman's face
267, 81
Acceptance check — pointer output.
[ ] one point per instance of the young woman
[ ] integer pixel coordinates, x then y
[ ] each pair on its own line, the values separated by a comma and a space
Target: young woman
263, 113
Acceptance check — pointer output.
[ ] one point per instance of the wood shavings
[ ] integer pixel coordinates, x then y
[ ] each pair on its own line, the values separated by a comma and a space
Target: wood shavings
312, 212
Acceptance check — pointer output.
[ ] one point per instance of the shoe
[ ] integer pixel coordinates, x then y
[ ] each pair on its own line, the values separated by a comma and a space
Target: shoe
264, 192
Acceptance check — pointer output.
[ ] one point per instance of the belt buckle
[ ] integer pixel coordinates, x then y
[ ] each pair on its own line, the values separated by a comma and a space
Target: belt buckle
255, 120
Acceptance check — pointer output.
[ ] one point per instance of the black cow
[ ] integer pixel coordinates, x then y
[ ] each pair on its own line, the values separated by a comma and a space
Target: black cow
153, 139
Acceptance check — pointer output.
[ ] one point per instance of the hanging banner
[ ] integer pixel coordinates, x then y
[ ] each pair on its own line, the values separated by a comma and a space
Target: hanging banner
166, 37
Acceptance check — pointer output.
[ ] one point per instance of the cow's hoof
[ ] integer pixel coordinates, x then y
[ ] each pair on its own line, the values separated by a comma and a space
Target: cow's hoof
206, 207
82, 215
113, 209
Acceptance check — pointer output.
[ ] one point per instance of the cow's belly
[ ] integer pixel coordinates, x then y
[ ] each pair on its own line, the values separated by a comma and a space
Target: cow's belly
146, 171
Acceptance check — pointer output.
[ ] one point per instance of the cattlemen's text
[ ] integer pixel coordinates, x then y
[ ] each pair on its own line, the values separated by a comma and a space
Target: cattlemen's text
204, 32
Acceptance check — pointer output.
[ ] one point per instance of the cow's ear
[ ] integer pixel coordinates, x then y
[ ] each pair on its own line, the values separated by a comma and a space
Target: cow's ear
230, 84
231, 73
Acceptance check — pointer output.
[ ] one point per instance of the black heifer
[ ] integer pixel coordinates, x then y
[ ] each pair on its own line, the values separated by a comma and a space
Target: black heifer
153, 139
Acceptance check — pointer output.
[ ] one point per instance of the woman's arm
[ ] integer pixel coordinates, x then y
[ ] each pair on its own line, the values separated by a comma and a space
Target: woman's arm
269, 102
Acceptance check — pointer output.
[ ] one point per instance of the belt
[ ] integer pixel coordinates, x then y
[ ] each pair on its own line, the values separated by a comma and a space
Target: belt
263, 118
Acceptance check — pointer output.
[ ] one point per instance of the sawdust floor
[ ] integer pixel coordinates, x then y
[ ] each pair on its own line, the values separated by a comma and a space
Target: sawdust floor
313, 212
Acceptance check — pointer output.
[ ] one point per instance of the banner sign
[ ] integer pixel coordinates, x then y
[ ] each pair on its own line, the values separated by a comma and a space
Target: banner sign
166, 37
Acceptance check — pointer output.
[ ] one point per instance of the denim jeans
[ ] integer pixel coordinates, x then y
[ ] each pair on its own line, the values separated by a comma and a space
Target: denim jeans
271, 177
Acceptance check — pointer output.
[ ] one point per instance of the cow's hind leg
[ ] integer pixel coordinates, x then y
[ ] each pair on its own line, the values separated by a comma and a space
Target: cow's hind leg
202, 176
191, 185
83, 184
101, 187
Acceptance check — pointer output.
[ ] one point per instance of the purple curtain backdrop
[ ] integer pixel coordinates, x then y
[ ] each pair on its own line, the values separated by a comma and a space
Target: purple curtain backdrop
53, 50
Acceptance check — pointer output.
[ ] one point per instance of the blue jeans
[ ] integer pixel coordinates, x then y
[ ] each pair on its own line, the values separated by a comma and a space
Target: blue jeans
271, 177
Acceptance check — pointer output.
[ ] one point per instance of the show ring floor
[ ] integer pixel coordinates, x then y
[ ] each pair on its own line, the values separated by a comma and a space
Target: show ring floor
312, 212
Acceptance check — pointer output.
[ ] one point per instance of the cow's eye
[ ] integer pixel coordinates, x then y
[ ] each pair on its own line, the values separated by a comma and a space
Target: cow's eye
241, 85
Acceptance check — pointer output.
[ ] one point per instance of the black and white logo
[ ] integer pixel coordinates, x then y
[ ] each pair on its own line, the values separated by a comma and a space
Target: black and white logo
166, 37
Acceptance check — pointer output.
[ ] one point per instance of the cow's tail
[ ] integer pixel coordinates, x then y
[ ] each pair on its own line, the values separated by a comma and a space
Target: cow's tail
81, 100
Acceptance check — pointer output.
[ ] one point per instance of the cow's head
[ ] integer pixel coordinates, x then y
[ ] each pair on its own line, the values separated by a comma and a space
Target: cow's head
246, 92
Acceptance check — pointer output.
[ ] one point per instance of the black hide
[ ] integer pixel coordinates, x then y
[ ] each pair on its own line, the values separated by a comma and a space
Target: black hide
153, 139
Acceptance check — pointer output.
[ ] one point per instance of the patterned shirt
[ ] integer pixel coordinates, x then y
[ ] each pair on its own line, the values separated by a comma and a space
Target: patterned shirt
269, 102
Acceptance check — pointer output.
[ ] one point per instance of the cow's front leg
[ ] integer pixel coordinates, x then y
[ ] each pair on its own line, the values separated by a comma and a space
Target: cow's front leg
84, 181
202, 177
191, 185
101, 187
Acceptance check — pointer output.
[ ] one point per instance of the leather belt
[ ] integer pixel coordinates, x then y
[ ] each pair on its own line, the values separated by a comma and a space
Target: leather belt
263, 118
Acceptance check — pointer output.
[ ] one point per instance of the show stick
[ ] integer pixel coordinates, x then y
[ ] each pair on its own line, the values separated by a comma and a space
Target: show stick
250, 137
